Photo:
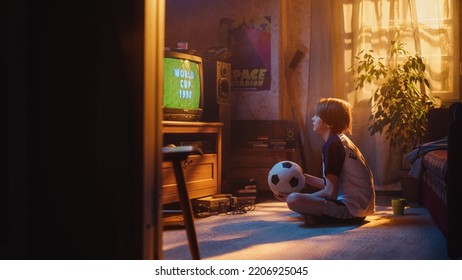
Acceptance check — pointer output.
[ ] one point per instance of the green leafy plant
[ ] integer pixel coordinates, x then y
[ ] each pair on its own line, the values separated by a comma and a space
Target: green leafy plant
399, 102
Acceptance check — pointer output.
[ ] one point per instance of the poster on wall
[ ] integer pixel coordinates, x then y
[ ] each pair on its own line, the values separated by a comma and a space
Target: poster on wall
249, 40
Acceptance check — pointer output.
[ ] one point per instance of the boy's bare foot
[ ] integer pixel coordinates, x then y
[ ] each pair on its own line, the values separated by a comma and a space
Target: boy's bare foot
281, 197
310, 220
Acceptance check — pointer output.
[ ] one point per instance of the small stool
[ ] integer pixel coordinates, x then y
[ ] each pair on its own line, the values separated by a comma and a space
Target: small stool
176, 155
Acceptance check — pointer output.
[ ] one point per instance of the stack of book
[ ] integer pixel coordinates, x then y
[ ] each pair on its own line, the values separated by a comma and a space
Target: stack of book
245, 190
260, 142
277, 144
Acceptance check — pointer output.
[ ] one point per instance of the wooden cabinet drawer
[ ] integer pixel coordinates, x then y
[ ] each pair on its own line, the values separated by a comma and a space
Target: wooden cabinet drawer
200, 174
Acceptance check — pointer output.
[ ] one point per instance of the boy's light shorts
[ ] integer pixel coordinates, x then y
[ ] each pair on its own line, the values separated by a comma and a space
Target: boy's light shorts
337, 209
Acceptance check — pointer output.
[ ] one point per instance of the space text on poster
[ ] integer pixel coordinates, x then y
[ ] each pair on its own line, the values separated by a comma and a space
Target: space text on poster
249, 40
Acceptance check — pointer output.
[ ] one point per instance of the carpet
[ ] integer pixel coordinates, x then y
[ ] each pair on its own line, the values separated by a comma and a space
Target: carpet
272, 232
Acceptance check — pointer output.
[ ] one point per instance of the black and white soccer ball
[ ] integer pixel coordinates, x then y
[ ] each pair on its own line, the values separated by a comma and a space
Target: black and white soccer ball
286, 177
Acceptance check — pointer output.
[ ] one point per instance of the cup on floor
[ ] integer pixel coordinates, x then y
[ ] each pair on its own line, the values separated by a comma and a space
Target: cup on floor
398, 205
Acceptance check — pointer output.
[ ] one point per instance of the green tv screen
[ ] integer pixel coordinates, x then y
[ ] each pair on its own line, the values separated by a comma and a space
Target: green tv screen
182, 84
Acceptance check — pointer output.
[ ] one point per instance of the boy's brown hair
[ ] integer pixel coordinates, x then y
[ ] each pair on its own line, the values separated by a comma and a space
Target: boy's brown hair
336, 113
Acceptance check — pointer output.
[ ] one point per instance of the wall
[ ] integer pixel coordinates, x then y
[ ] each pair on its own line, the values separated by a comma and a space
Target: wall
197, 22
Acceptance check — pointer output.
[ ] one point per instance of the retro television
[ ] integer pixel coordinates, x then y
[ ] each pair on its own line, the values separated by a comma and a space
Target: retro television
183, 86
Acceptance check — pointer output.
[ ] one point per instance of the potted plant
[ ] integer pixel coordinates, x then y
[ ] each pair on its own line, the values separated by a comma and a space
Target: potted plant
400, 101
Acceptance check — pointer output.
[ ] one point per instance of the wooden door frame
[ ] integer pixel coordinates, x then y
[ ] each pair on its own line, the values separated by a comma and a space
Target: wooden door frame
154, 40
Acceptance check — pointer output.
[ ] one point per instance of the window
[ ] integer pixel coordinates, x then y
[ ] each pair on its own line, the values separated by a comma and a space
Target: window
430, 27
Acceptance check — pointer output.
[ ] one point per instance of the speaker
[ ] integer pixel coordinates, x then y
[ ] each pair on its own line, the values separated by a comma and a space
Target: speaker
217, 90
287, 131
217, 108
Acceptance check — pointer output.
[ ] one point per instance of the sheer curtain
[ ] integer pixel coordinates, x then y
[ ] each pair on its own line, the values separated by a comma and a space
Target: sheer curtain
425, 26
337, 31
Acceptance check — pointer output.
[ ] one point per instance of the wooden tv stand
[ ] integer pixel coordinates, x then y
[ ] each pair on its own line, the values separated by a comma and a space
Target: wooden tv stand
202, 173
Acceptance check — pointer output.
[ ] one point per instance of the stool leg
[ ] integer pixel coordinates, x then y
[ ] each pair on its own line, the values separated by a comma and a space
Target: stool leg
187, 210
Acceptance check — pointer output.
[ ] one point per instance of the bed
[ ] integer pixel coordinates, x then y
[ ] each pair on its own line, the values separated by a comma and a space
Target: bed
436, 164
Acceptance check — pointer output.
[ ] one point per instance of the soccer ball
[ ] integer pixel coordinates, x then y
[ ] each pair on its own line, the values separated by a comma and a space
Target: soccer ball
286, 177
